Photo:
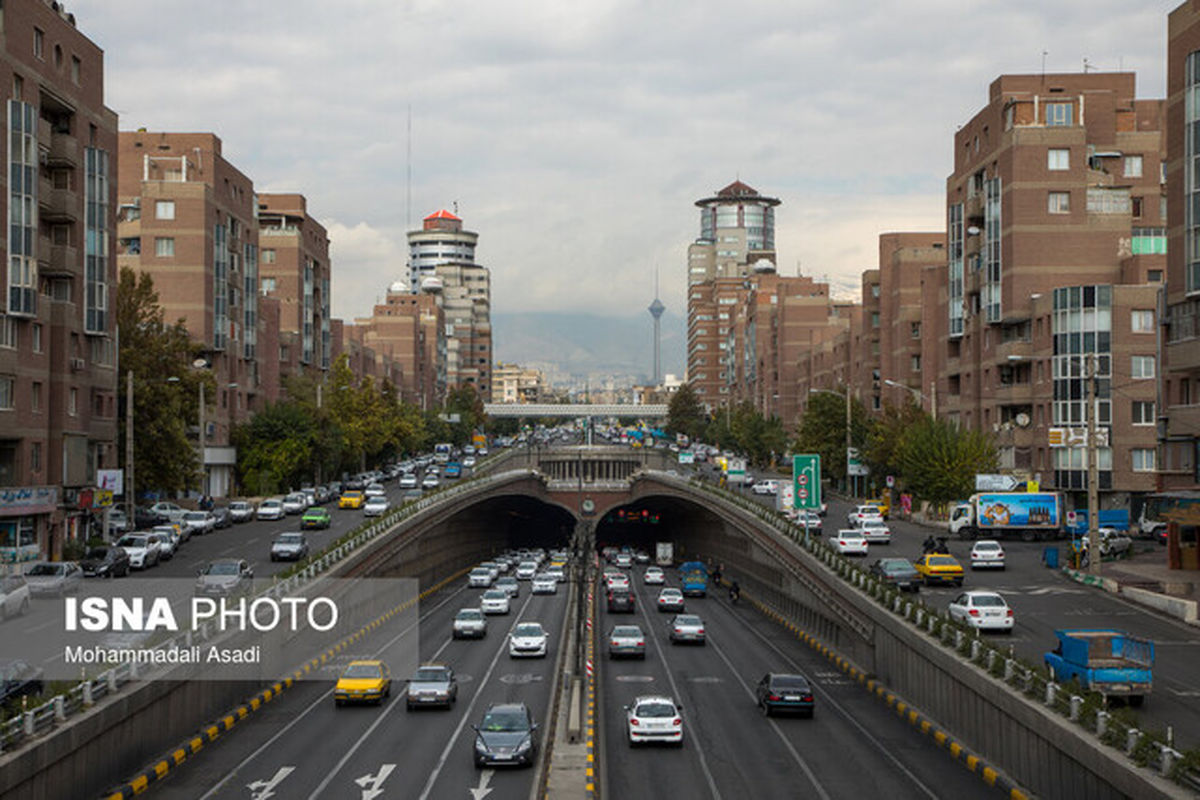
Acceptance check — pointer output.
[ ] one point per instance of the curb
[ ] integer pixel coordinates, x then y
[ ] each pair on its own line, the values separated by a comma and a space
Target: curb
1177, 607
159, 770
986, 772
590, 786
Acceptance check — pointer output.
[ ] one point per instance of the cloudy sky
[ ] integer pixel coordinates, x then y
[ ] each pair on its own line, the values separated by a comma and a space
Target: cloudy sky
575, 137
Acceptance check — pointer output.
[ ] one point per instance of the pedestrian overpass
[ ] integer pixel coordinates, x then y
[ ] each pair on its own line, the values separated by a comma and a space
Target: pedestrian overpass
539, 410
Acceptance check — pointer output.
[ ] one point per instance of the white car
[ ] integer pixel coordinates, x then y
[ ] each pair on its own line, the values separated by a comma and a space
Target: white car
469, 623
654, 576
270, 509
198, 522
480, 578
861, 513
850, 543
654, 719
765, 487
375, 506
624, 560
556, 572
374, 490
982, 610
241, 511
875, 531
408, 481
468, 462
526, 570
987, 553
494, 601
295, 503
527, 639
544, 584
430, 481
670, 599
143, 552
615, 580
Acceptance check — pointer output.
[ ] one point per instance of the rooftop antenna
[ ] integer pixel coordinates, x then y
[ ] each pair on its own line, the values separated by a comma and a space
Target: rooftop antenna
1086, 66
455, 208
1044, 54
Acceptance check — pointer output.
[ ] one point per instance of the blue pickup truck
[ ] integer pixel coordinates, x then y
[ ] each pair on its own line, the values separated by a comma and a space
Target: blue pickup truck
693, 578
1110, 662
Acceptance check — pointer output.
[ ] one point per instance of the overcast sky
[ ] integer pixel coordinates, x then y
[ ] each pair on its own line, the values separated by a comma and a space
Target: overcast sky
576, 136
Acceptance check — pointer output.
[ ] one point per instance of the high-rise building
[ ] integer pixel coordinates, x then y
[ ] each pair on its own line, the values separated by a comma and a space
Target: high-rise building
512, 383
58, 382
737, 235
294, 268
410, 329
442, 262
189, 218
1055, 224
903, 357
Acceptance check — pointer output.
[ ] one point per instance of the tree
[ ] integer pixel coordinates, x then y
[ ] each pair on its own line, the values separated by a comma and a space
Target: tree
822, 430
165, 388
464, 401
686, 414
886, 435
277, 448
939, 460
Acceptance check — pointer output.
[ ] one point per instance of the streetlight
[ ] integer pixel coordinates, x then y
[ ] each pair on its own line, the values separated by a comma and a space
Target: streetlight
932, 398
849, 477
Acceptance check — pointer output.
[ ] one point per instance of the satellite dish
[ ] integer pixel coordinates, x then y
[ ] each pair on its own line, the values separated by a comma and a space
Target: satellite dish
973, 231
200, 363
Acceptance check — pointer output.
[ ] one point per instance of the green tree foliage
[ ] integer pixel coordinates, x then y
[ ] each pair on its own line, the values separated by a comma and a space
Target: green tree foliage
686, 414
939, 459
464, 401
885, 435
745, 430
166, 388
822, 430
277, 448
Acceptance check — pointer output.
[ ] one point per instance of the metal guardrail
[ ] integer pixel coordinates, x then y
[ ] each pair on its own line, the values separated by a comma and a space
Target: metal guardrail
1086, 709
37, 720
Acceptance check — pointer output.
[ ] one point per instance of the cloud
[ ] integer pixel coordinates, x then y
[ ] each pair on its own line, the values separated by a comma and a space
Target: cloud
576, 137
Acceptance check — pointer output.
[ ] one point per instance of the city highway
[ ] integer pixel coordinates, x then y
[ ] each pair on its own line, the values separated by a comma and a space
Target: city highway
852, 747
302, 746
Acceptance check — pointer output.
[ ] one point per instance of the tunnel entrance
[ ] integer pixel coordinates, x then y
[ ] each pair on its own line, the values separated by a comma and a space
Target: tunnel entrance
514, 521
652, 519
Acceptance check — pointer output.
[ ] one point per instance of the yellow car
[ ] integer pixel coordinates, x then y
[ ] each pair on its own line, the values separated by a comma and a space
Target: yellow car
939, 568
363, 682
882, 504
351, 499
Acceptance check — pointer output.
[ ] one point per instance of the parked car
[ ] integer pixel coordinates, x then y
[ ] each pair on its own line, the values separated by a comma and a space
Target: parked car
224, 577
469, 623
898, 572
528, 639
626, 640
687, 628
198, 522
14, 596
169, 511
270, 510
117, 521
144, 519
850, 542
987, 553
289, 547
53, 578
982, 610
105, 562
18, 678
222, 519
168, 541
363, 682
295, 503
506, 735
143, 553
432, 685
316, 517
778, 692
241, 511
1112, 542
654, 719
939, 568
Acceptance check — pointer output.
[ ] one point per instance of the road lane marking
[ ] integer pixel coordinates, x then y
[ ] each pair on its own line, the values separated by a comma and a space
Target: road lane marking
482, 790
323, 698
262, 790
371, 784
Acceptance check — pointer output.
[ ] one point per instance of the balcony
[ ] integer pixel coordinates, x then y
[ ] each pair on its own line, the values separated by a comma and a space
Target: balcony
1183, 421
64, 151
57, 205
1184, 355
1015, 350
973, 207
57, 259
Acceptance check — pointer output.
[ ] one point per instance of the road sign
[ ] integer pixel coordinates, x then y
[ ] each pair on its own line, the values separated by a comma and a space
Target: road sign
854, 465
806, 481
687, 457
1072, 517
1075, 437
995, 483
891, 481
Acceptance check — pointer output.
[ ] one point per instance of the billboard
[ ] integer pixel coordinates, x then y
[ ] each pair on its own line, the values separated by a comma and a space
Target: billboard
1024, 510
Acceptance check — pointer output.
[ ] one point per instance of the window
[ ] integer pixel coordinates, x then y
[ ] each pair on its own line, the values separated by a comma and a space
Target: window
39, 43
1133, 166
1154, 275
35, 457
1142, 412
8, 386
1143, 459
1142, 367
35, 397
164, 209
916, 364
76, 70
915, 330
8, 332
874, 319
1059, 203
72, 401
1135, 206
164, 246
1059, 114
874, 290
1141, 320
1058, 159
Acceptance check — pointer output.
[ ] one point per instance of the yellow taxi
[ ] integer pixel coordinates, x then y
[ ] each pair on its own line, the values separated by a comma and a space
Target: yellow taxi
351, 499
882, 504
363, 682
939, 568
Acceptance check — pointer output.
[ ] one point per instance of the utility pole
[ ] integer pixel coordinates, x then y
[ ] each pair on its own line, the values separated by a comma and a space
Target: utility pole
130, 506
933, 400
203, 471
1093, 488
849, 477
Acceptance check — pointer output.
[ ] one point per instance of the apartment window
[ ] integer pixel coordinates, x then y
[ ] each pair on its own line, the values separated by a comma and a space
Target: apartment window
915, 330
1141, 367
1143, 459
874, 319
164, 209
164, 246
874, 290
35, 397
1141, 320
72, 401
1135, 207
76, 70
1058, 159
8, 387
1154, 275
39, 43
1059, 203
1133, 166
1142, 412
1059, 114
268, 284
8, 332
35, 457
916, 364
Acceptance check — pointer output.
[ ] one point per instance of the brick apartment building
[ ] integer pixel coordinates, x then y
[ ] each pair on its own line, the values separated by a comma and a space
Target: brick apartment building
58, 379
189, 218
410, 329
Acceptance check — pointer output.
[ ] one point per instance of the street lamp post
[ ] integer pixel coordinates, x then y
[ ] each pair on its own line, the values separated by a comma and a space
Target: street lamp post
932, 398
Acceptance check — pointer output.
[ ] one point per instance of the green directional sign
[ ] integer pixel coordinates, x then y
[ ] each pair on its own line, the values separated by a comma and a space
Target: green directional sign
806, 482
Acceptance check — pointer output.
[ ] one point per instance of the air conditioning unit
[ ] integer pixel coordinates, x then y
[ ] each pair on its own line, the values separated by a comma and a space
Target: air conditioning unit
77, 364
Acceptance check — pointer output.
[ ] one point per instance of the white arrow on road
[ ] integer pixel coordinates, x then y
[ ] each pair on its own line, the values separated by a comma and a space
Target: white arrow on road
261, 790
482, 790
370, 784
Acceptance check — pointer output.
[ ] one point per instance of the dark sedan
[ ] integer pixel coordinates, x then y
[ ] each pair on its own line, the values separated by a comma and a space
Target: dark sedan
784, 693
105, 562
898, 572
17, 679
222, 518
506, 736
